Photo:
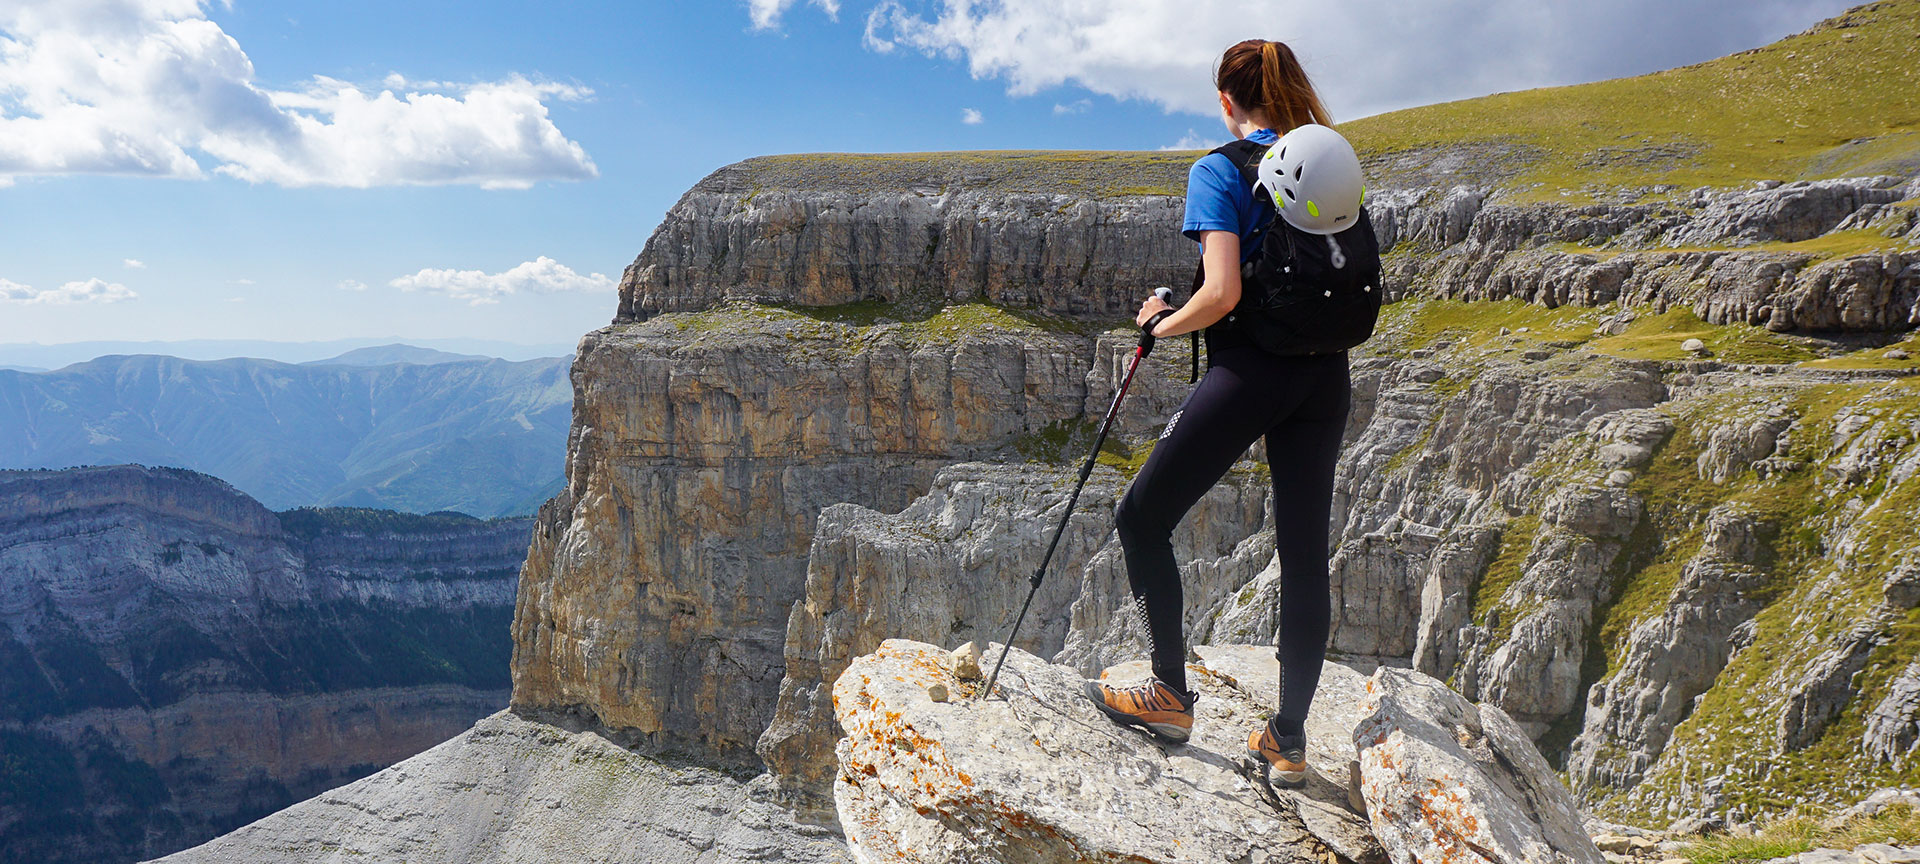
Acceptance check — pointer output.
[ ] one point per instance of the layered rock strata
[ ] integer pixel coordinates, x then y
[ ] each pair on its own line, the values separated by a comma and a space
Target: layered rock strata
178, 660
1055, 231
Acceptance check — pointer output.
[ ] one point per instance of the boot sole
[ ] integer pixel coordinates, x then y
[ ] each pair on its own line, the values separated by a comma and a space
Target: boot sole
1167, 731
1274, 778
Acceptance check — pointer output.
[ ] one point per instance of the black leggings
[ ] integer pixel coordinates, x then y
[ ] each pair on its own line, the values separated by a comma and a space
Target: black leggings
1299, 404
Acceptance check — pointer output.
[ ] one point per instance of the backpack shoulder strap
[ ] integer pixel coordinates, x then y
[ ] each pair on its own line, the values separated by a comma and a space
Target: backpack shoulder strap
1245, 156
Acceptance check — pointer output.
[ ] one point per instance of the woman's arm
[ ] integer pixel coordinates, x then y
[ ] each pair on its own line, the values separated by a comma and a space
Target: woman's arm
1216, 297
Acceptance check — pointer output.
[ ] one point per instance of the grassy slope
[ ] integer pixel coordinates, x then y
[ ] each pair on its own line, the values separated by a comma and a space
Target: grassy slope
1788, 110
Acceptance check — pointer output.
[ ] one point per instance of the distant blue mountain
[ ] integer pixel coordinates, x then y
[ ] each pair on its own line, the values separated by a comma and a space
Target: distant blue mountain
485, 437
36, 356
380, 355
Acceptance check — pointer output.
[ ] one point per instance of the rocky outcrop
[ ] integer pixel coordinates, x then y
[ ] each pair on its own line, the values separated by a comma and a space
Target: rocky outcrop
1448, 781
1825, 687
1894, 725
513, 791
1034, 773
179, 660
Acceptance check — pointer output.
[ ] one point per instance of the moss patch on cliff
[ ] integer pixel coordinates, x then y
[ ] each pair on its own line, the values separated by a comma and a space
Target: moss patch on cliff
1412, 325
1516, 326
1834, 100
1067, 442
1509, 565
1659, 337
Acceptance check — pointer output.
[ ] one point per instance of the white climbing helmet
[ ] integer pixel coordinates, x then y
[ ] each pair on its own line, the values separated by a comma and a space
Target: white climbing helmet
1313, 176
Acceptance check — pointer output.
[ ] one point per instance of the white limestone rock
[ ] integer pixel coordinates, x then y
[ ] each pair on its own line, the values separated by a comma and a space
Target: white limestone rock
1036, 774
516, 791
1446, 780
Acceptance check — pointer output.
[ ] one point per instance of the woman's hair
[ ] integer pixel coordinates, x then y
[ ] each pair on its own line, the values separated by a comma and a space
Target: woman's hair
1264, 76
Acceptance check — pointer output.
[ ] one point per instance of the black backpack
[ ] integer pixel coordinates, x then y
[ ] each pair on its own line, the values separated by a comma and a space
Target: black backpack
1293, 300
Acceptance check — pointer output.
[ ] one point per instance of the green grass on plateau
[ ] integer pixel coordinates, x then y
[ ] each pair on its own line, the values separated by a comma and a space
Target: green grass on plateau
1840, 99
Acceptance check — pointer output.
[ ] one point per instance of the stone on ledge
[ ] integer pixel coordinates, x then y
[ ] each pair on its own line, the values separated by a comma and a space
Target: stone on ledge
1449, 781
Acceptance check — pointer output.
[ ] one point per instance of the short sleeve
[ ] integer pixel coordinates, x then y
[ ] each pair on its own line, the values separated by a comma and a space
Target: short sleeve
1210, 201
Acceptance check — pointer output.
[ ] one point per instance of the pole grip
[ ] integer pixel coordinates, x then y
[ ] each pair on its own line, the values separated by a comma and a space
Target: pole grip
1146, 332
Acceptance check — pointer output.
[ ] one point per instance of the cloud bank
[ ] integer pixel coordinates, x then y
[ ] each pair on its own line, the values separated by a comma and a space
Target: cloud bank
90, 291
542, 275
154, 88
1366, 56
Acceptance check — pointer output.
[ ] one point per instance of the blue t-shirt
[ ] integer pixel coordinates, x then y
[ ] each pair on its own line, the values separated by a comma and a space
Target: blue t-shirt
1217, 200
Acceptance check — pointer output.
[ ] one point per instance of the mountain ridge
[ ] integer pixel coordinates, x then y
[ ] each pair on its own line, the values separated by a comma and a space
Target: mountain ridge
479, 436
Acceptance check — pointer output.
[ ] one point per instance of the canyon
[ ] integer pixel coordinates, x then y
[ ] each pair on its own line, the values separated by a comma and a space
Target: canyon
178, 660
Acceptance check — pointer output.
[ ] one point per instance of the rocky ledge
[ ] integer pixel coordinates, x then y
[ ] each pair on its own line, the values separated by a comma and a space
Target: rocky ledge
1403, 770
512, 790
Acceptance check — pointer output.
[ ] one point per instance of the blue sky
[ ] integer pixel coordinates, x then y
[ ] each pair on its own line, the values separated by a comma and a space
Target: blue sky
620, 107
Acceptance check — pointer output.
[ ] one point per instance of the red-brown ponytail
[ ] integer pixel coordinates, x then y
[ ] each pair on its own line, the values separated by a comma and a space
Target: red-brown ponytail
1264, 76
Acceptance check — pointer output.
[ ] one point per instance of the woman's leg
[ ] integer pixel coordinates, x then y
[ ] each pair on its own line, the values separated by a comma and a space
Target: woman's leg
1302, 452
1223, 416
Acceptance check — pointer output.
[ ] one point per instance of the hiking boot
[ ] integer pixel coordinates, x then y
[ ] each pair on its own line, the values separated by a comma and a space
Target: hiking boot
1152, 705
1279, 760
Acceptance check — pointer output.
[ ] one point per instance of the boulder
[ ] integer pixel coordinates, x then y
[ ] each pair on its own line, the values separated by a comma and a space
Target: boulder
1447, 780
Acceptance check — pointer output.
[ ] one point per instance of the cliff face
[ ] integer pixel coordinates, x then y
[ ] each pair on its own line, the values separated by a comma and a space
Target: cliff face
1066, 233
1804, 256
179, 660
657, 591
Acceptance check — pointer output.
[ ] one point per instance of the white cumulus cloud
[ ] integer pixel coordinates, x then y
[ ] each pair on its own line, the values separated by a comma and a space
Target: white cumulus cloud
971, 117
152, 87
766, 13
1194, 141
133, 264
1365, 56
542, 275
90, 291
353, 285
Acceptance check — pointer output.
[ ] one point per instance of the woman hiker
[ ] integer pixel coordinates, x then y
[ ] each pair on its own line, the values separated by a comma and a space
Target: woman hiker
1295, 396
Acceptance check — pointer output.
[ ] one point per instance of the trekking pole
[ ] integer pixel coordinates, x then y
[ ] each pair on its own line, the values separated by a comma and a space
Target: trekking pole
1139, 352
